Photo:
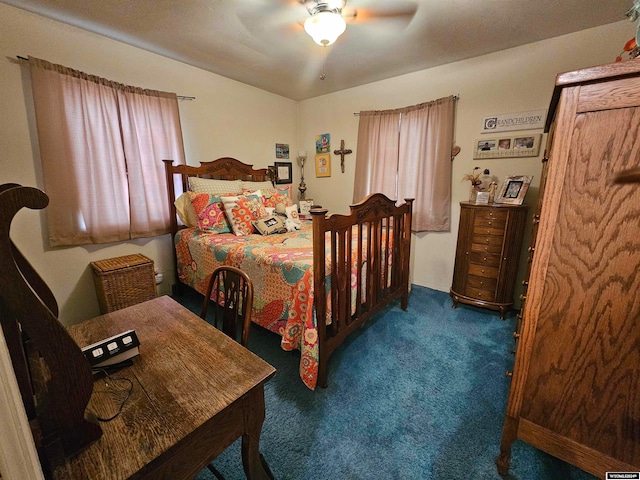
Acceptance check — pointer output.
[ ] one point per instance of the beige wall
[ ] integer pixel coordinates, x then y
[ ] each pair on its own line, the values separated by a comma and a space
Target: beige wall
515, 80
227, 118
231, 119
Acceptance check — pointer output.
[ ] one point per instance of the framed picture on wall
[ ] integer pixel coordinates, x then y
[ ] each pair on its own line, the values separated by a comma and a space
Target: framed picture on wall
507, 146
514, 189
283, 172
323, 165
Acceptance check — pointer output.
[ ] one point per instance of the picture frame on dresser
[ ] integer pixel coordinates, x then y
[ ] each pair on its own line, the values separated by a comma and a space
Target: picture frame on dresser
514, 189
305, 208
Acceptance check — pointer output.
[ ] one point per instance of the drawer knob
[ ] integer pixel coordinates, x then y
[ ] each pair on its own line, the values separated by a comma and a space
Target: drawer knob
516, 335
523, 297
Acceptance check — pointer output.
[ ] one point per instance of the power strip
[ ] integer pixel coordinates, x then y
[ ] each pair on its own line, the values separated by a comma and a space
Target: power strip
112, 350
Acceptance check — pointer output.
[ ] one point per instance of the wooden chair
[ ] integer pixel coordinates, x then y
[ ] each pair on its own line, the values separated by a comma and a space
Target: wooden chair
233, 300
53, 375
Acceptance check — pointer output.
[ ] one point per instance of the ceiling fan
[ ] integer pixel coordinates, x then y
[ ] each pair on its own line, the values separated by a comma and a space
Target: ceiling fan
328, 18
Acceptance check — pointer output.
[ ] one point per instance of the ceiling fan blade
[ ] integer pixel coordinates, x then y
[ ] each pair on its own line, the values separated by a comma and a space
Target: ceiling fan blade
285, 16
401, 10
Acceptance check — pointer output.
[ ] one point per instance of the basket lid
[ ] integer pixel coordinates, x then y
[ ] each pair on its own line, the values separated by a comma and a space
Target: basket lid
117, 263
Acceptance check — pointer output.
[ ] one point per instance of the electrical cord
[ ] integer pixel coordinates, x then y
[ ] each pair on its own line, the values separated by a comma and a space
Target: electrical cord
109, 378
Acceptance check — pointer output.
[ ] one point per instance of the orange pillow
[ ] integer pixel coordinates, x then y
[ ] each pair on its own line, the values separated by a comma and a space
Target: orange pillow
241, 210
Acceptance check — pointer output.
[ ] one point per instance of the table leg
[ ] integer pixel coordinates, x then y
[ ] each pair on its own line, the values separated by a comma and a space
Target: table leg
252, 461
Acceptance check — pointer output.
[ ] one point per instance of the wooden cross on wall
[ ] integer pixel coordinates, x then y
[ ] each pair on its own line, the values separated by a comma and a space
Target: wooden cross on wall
342, 152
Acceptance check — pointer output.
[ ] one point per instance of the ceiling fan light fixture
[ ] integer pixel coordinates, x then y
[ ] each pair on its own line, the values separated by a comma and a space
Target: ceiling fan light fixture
325, 27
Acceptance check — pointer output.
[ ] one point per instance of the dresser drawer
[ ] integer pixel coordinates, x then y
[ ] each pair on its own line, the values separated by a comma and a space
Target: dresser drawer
483, 283
487, 247
484, 295
483, 271
485, 259
491, 213
488, 230
490, 222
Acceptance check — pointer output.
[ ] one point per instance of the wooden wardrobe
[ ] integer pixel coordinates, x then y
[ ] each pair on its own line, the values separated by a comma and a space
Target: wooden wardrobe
575, 390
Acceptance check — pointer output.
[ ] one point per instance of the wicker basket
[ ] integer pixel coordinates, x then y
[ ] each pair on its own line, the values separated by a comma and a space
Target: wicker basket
123, 281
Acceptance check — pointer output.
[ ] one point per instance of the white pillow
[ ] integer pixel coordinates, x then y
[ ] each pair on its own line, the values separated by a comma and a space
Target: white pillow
215, 187
292, 214
246, 185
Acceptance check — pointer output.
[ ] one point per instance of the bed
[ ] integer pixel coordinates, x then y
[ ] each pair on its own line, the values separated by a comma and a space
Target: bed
340, 268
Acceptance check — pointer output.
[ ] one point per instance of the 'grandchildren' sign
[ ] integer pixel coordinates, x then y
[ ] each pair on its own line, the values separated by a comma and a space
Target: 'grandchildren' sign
514, 121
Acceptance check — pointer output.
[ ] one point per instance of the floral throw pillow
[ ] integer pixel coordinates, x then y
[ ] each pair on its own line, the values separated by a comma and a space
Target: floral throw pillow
210, 212
272, 196
241, 210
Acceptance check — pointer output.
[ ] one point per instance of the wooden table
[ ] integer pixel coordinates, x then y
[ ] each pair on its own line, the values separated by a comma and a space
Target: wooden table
195, 391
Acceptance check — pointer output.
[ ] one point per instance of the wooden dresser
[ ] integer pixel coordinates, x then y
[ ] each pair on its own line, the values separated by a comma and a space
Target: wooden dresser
487, 256
576, 379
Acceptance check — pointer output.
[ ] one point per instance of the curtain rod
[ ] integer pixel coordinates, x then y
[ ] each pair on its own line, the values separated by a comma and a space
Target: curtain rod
180, 97
455, 97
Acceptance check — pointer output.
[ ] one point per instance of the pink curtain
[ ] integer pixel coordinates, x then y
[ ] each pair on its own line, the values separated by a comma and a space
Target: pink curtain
377, 154
101, 147
406, 153
151, 132
424, 170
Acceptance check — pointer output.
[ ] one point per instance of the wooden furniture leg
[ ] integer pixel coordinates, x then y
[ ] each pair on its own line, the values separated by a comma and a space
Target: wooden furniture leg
252, 461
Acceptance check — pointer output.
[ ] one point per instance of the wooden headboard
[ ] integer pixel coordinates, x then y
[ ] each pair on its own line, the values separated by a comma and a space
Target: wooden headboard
225, 168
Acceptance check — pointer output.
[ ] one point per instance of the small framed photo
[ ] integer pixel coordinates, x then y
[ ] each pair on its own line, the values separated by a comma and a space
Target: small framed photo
323, 165
283, 171
514, 189
305, 208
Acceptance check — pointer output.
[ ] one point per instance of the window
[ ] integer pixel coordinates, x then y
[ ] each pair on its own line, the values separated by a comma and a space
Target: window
102, 145
406, 153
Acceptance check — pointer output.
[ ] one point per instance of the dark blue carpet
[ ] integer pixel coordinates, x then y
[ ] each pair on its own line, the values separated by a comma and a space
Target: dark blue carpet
412, 395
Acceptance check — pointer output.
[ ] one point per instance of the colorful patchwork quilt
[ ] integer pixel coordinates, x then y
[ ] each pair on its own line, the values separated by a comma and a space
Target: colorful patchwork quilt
281, 268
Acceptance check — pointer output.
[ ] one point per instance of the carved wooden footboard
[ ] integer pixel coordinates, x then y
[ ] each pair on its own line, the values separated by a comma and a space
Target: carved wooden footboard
378, 234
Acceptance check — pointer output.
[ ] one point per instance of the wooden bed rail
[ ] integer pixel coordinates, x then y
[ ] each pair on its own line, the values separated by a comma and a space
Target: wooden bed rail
381, 262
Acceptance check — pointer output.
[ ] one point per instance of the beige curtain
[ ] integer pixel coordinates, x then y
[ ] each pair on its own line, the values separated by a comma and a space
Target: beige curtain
406, 153
377, 154
424, 170
149, 120
101, 146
